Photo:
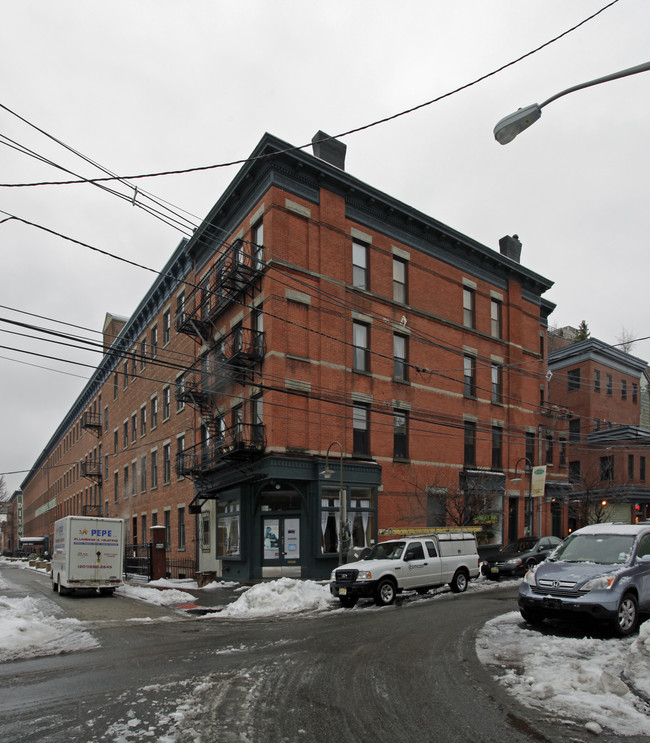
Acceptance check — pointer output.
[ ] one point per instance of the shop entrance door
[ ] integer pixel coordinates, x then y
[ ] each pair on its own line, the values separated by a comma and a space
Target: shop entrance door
281, 546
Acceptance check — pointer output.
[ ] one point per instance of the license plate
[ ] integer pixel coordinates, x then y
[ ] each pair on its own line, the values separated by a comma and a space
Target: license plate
343, 591
494, 570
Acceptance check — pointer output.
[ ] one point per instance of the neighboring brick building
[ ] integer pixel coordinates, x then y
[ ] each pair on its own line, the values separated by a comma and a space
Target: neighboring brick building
318, 331
605, 394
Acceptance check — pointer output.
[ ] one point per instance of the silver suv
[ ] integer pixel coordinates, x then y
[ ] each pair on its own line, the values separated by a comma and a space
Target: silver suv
602, 571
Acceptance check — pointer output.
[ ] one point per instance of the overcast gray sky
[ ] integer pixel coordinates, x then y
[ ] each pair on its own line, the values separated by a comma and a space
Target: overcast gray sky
159, 85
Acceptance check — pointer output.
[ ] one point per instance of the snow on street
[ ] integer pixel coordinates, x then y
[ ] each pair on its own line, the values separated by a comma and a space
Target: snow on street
602, 683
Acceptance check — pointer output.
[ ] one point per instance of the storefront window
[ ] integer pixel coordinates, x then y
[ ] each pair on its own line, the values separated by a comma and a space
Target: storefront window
228, 528
361, 517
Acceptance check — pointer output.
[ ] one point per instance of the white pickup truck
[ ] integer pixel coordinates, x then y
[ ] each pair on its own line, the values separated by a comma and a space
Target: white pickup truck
413, 563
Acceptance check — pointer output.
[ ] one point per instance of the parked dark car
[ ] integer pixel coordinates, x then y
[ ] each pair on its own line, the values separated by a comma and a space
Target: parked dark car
516, 558
601, 571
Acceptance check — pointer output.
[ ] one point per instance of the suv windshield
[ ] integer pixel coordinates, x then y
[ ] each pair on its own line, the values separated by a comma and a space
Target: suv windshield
605, 549
386, 551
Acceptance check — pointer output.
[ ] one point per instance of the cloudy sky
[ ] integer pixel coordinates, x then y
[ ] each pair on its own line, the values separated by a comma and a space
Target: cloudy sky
158, 85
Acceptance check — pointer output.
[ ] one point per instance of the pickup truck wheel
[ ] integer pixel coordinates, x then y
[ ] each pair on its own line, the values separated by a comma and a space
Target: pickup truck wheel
627, 616
106, 591
385, 592
459, 581
55, 587
348, 602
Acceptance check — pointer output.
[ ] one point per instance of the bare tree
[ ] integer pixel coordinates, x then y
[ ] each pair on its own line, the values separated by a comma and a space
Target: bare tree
626, 340
4, 493
594, 498
443, 500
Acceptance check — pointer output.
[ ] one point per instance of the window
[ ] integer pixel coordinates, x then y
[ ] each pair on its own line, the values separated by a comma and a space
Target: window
361, 514
180, 309
495, 318
105, 467
154, 342
106, 418
257, 238
134, 478
143, 473
642, 469
228, 528
154, 411
549, 449
115, 385
573, 377
154, 469
596, 380
497, 384
574, 429
143, 420
469, 364
180, 448
181, 527
126, 433
126, 480
168, 529
143, 522
607, 467
468, 307
143, 353
167, 326
635, 392
399, 280
574, 471
623, 389
469, 453
180, 393
115, 441
257, 420
610, 384
360, 342
530, 446
125, 368
630, 466
399, 358
497, 448
116, 486
359, 265
167, 463
400, 434
360, 442
167, 407
134, 428
562, 457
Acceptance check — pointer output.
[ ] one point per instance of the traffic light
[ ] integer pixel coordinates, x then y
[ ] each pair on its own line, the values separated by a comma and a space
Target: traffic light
637, 512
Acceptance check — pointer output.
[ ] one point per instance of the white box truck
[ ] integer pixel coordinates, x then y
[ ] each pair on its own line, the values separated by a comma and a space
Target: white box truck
88, 553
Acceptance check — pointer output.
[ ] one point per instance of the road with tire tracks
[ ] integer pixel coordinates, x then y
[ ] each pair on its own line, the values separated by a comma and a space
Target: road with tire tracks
404, 673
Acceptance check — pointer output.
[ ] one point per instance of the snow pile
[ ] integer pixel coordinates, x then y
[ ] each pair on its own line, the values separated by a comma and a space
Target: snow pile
282, 596
585, 678
191, 584
28, 630
165, 597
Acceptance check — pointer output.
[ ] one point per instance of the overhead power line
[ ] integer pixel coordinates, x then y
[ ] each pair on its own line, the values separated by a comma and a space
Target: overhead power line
355, 130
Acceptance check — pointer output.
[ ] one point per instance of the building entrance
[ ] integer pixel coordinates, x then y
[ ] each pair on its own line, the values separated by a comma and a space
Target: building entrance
280, 535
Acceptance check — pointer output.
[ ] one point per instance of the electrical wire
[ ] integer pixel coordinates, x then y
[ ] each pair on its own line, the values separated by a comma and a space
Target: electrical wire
341, 135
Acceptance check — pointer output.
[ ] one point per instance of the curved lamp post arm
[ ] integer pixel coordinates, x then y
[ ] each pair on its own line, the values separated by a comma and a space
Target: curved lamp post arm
513, 124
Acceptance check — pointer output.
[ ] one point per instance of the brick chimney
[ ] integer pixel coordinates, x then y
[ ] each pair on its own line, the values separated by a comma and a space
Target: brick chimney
330, 150
511, 247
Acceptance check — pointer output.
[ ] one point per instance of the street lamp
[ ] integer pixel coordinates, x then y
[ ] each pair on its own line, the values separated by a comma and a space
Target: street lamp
516, 478
513, 124
343, 511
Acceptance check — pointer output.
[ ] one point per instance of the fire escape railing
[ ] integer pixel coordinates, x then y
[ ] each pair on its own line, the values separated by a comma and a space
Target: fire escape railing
92, 469
239, 266
243, 441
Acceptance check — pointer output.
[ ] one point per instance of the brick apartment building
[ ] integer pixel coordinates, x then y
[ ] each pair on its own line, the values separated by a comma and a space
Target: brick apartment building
314, 335
605, 393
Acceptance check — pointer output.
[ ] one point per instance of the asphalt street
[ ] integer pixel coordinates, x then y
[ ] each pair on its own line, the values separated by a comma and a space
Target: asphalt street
406, 673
